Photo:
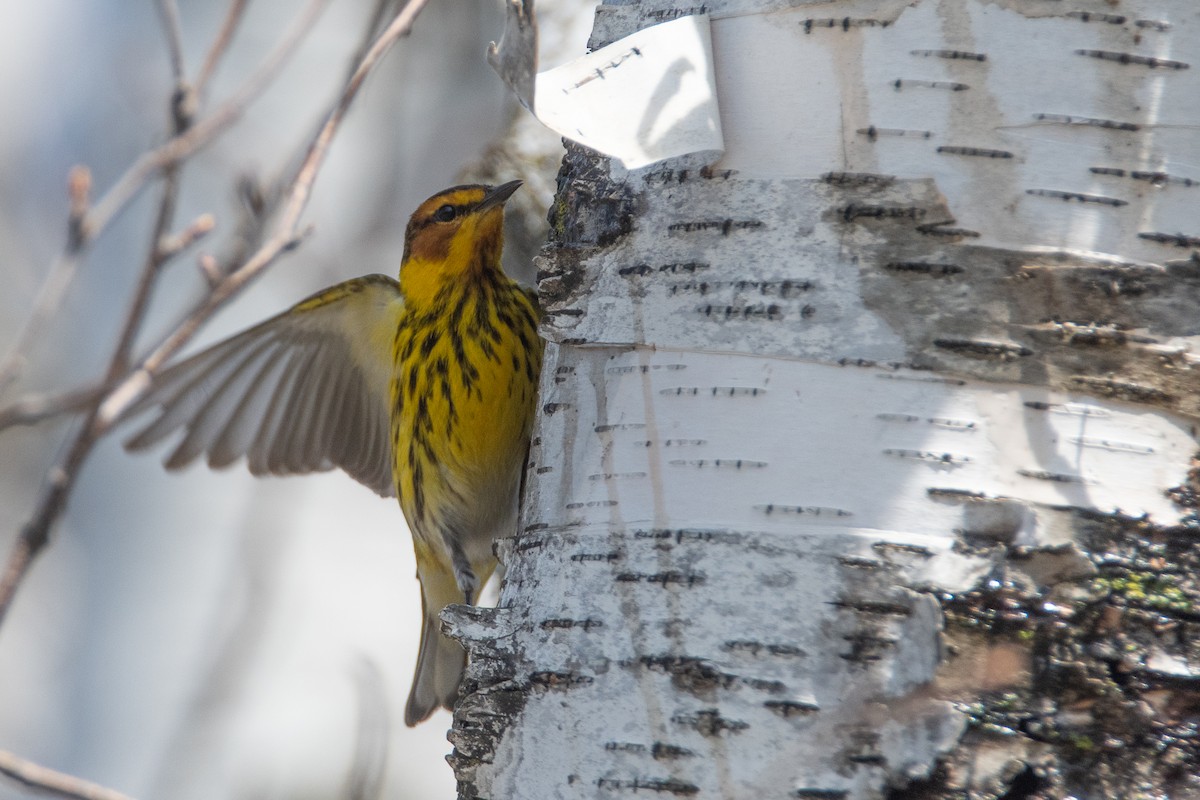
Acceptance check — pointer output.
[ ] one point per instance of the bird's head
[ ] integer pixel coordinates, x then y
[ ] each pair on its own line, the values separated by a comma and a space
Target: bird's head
455, 235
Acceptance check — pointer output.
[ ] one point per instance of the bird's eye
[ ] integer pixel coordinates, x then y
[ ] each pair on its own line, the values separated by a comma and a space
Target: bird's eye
445, 214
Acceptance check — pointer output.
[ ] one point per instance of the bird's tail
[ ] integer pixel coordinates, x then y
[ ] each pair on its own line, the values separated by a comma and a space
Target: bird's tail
440, 664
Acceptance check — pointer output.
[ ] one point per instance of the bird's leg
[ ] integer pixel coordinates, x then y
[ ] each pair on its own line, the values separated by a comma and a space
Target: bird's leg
464, 576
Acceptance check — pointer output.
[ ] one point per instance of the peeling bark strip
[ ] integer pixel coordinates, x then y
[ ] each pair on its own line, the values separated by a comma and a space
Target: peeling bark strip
865, 463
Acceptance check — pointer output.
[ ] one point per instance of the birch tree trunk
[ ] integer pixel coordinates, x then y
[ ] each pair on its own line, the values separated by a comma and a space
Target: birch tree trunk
862, 469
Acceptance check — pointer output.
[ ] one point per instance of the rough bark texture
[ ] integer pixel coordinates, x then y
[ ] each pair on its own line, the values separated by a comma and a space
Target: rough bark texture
856, 483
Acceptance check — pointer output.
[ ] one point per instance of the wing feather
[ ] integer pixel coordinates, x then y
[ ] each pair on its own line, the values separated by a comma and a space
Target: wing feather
364, 453
321, 444
305, 391
298, 449
250, 413
178, 401
219, 406
260, 456
295, 405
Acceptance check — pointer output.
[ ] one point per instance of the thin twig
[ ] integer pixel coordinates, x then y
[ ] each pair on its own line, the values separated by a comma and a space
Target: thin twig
182, 118
134, 180
201, 226
378, 16
220, 44
38, 408
170, 14
400, 26
136, 314
183, 101
176, 149
261, 201
48, 780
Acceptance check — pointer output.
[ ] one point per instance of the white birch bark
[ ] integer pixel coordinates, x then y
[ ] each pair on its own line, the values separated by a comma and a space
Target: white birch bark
841, 435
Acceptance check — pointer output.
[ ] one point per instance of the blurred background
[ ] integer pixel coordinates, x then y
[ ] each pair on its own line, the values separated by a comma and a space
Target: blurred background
207, 634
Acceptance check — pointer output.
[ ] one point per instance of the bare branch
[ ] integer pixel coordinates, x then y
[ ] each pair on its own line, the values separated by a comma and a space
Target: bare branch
32, 410
261, 200
203, 132
400, 26
183, 101
119, 364
133, 181
34, 535
379, 16
57, 783
170, 15
210, 268
220, 44
200, 227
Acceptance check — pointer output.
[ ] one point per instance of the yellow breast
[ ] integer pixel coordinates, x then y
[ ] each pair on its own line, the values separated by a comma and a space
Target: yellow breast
463, 401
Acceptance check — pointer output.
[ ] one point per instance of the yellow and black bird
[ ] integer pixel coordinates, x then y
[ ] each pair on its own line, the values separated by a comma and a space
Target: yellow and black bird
421, 388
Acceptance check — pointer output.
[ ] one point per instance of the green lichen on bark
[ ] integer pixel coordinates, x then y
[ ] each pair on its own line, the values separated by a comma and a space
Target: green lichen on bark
1105, 699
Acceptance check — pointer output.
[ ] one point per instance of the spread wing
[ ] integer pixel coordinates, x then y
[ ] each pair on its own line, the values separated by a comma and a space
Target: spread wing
305, 391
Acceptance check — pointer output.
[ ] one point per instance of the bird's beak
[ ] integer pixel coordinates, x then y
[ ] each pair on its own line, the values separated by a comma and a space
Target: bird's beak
498, 195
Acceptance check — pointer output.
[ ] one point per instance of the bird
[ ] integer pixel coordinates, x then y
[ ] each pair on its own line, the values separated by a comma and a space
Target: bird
421, 387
